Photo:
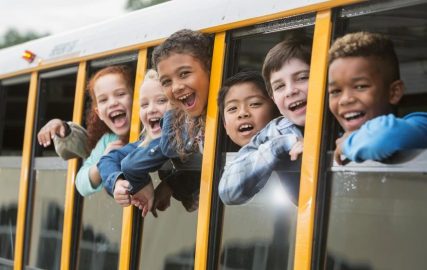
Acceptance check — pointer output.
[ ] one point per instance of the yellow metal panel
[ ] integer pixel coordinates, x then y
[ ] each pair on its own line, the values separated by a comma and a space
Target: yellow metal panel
215, 29
25, 172
206, 180
70, 191
126, 239
312, 140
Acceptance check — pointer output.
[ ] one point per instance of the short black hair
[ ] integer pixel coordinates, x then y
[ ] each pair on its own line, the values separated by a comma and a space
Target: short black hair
241, 77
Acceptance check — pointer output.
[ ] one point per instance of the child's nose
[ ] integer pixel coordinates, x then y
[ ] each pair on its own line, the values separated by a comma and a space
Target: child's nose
177, 87
291, 90
243, 113
346, 98
113, 102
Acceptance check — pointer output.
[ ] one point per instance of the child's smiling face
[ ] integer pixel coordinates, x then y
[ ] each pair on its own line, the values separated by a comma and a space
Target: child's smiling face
359, 92
246, 111
153, 104
113, 103
290, 86
185, 81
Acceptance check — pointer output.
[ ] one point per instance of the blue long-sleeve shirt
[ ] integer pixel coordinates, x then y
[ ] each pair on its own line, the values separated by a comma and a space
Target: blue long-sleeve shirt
109, 165
381, 137
249, 171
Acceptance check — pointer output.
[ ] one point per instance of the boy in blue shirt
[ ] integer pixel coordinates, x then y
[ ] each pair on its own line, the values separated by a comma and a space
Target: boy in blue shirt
364, 87
286, 72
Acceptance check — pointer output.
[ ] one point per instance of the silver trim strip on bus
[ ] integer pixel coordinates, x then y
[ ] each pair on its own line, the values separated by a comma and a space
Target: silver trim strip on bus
293, 22
408, 161
11, 162
376, 6
115, 60
50, 163
16, 80
58, 73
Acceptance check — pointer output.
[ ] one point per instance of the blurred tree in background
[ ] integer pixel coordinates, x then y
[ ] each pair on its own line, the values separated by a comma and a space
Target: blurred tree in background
14, 37
138, 4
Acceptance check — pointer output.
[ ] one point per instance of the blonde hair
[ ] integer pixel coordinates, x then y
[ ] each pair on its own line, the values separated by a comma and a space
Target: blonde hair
151, 75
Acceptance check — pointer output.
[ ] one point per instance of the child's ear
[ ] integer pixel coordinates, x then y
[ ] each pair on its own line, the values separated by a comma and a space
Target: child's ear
97, 113
225, 127
396, 91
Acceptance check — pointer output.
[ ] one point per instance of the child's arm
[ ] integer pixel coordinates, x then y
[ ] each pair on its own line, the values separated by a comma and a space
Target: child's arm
383, 136
165, 144
109, 166
84, 183
250, 170
140, 162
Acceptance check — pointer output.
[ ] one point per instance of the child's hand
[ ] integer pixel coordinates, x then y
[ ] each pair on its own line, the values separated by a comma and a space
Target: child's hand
121, 192
338, 150
144, 198
297, 149
162, 198
50, 130
114, 145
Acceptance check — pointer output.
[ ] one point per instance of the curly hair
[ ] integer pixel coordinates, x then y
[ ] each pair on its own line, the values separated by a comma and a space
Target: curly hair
199, 46
185, 41
366, 44
95, 126
294, 46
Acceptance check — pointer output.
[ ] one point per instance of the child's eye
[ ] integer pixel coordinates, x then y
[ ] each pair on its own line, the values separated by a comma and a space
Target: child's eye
102, 100
255, 104
334, 92
361, 86
231, 109
302, 77
166, 83
144, 105
184, 74
162, 100
277, 87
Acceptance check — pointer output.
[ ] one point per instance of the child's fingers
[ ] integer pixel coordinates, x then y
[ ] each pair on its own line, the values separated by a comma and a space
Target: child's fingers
337, 156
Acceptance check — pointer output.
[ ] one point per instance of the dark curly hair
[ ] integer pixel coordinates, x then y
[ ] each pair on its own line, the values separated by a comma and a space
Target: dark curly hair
185, 41
366, 44
95, 126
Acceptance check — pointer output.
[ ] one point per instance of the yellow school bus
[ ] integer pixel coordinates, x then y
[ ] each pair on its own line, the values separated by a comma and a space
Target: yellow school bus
359, 216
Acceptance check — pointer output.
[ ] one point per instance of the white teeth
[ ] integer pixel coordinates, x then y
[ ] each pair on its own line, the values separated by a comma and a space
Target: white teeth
244, 126
154, 119
295, 104
114, 114
352, 114
184, 96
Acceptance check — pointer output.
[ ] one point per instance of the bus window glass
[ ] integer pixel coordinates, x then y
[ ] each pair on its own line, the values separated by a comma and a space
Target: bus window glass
377, 214
169, 240
260, 234
13, 106
56, 90
100, 232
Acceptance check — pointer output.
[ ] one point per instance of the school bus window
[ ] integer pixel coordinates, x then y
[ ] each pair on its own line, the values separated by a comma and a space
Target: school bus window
268, 244
101, 227
169, 240
382, 201
13, 104
55, 100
